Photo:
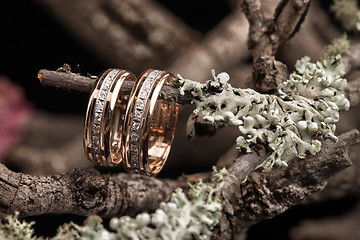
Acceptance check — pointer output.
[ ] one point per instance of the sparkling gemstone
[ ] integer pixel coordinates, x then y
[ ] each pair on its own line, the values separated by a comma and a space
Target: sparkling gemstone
98, 109
135, 126
97, 118
134, 136
137, 115
147, 84
111, 75
95, 140
96, 127
106, 85
103, 93
95, 131
144, 93
140, 103
100, 103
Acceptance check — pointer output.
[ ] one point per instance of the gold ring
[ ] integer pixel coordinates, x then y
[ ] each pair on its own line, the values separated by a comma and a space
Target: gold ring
104, 118
150, 125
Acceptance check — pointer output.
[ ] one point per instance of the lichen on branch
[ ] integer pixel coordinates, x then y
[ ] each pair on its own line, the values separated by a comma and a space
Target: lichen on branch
291, 123
183, 217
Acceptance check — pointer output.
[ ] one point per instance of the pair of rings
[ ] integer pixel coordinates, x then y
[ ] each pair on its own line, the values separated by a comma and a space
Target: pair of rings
137, 128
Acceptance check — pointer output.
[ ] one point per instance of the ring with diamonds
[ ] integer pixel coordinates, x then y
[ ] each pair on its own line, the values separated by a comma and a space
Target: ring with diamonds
104, 118
150, 124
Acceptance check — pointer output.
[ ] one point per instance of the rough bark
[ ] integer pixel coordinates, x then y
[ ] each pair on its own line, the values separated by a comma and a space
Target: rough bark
267, 194
82, 192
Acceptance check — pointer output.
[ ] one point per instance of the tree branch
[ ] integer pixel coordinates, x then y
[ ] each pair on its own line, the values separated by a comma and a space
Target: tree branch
73, 81
267, 194
81, 191
86, 191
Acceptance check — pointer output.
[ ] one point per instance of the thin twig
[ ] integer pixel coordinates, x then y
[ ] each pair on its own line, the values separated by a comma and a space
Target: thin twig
266, 35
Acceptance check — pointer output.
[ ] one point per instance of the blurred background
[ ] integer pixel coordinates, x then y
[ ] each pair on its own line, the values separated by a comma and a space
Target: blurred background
41, 127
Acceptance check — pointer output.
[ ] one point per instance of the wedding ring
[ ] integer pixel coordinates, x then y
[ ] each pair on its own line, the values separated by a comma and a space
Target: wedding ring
150, 125
104, 118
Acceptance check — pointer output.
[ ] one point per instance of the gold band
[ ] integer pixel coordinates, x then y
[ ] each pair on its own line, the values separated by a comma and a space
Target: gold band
104, 118
150, 125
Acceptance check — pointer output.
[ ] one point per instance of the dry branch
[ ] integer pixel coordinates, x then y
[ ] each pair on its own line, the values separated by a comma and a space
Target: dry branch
73, 81
86, 191
267, 194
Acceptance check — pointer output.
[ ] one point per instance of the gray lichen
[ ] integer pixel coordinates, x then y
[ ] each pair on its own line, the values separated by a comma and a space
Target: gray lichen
290, 123
347, 13
180, 218
338, 46
14, 229
92, 230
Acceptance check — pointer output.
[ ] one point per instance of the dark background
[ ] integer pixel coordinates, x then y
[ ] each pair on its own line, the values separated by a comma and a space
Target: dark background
32, 40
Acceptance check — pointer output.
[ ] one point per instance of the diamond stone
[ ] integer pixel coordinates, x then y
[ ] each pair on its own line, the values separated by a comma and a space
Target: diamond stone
97, 118
147, 84
95, 140
96, 127
144, 93
137, 115
135, 126
134, 136
98, 109
100, 103
103, 93
140, 104
95, 132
